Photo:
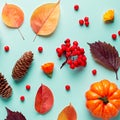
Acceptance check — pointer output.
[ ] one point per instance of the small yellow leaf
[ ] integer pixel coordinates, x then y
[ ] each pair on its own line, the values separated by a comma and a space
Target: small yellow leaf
108, 16
44, 19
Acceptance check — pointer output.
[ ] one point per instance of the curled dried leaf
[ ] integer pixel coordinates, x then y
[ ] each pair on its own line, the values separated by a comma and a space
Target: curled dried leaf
106, 55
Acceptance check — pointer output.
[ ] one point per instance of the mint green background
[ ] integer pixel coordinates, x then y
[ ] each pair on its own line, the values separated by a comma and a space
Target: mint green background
68, 27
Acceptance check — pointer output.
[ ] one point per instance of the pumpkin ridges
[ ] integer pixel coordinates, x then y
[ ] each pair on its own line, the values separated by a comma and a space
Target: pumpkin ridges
116, 103
115, 95
106, 85
97, 88
90, 95
109, 104
92, 104
110, 111
98, 108
112, 89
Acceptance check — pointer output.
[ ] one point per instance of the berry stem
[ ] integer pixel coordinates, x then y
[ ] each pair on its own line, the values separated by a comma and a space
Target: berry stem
64, 63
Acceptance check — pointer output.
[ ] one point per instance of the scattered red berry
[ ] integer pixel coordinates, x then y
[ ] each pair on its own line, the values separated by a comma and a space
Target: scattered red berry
81, 22
94, 71
86, 23
22, 98
114, 36
76, 7
119, 32
67, 87
86, 19
40, 49
6, 48
28, 87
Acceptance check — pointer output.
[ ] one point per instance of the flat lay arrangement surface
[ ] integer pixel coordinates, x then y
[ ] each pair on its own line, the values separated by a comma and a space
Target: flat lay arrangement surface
59, 60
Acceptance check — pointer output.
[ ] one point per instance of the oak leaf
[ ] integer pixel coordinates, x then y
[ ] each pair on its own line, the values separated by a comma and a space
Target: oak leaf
14, 115
44, 99
68, 113
106, 55
44, 19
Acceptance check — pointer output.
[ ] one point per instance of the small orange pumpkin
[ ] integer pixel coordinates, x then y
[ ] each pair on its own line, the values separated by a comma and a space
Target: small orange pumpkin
103, 99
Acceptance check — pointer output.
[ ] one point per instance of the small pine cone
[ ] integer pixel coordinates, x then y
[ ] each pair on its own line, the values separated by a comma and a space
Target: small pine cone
5, 88
22, 65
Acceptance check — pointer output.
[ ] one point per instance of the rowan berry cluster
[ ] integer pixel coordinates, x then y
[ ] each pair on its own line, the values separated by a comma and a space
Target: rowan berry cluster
74, 54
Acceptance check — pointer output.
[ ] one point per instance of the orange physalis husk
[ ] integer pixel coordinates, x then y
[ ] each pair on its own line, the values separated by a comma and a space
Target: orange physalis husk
108, 16
68, 113
44, 19
48, 68
13, 16
103, 99
44, 99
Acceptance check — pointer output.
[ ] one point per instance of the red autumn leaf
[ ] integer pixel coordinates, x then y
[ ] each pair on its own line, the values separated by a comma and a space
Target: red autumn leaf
14, 115
106, 55
45, 18
44, 99
68, 113
12, 16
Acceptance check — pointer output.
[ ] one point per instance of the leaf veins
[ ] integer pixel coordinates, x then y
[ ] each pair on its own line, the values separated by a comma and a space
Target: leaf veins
106, 55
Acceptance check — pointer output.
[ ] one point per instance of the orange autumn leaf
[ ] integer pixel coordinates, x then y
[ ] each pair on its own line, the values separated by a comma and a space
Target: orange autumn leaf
44, 99
12, 16
48, 68
44, 19
68, 113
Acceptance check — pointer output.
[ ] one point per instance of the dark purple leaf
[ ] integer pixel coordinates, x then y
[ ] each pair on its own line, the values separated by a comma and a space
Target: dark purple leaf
14, 115
106, 55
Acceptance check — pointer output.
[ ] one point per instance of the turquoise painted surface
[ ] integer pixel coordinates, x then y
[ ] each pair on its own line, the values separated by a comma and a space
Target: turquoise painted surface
68, 27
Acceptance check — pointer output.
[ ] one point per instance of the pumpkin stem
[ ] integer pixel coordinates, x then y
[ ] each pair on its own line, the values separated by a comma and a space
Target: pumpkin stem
104, 99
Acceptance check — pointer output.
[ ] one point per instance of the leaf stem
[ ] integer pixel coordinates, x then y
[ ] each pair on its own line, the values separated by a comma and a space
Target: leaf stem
116, 75
34, 37
21, 34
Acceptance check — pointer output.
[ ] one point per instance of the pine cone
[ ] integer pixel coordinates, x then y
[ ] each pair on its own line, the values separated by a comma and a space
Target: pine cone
5, 88
22, 65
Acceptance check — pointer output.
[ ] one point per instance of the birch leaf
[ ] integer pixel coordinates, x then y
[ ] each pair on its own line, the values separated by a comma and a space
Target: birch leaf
44, 19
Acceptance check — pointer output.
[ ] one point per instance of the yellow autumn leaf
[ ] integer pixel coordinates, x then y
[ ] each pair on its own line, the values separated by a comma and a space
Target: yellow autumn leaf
108, 16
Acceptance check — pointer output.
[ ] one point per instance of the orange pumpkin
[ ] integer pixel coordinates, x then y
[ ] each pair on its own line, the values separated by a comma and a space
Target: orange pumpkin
103, 99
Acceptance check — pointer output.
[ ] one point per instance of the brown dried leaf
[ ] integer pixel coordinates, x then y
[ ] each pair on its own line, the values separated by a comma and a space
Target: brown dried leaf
106, 55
